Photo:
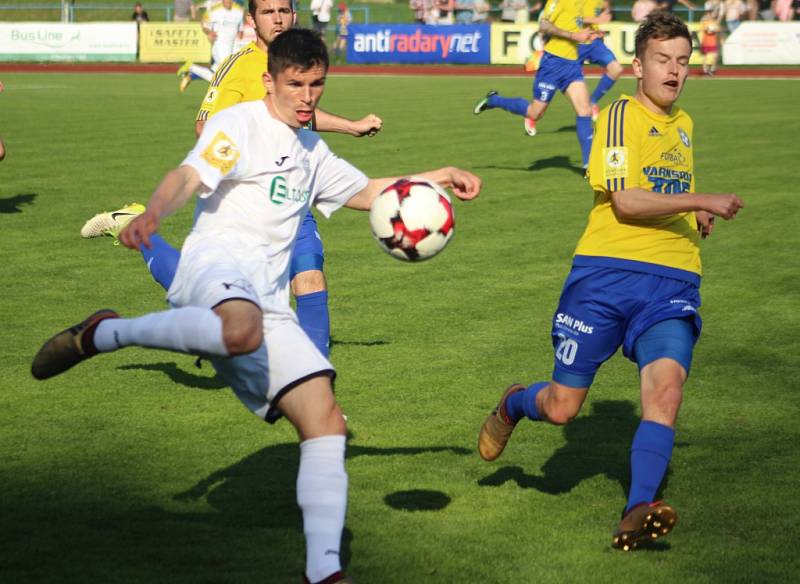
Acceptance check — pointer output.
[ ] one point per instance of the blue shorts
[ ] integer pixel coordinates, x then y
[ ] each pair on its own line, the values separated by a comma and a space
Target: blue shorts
595, 52
602, 309
308, 253
555, 74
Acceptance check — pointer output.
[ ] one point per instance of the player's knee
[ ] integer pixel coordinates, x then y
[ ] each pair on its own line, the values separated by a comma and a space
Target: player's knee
243, 337
561, 409
335, 422
614, 69
2, 149
662, 402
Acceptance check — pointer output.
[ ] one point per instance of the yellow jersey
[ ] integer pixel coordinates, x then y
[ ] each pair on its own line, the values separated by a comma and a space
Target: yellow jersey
635, 147
593, 9
238, 79
566, 15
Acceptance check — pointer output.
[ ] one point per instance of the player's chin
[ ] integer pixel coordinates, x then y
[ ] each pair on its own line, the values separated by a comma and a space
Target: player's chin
303, 117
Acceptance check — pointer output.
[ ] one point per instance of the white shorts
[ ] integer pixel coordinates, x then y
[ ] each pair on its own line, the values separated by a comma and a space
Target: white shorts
285, 359
208, 274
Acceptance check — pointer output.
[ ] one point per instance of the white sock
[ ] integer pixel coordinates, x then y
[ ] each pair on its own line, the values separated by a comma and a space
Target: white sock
189, 330
322, 497
201, 72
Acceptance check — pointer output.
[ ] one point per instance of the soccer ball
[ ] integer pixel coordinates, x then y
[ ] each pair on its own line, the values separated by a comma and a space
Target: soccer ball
412, 219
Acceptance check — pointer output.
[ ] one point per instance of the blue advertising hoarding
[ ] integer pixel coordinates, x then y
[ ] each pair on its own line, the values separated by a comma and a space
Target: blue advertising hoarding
415, 43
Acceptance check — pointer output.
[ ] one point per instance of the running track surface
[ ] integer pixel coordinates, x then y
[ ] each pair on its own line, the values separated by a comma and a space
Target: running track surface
497, 70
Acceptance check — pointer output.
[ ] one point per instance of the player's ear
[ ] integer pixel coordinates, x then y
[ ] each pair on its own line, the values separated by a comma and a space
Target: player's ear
267, 80
249, 20
294, 18
636, 65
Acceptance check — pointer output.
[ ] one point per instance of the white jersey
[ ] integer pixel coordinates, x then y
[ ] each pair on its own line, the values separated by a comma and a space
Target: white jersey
262, 176
226, 23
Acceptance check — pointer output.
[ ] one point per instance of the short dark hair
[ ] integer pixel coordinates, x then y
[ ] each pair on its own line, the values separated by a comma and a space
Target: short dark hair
251, 7
297, 47
663, 26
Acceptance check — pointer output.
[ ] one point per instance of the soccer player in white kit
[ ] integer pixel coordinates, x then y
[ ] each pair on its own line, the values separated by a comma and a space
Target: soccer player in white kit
223, 24
256, 171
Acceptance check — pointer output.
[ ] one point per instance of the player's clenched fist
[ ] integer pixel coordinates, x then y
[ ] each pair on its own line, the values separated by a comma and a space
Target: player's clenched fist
724, 205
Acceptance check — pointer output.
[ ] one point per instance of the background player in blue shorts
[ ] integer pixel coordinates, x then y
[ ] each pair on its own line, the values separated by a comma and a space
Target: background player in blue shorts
635, 276
559, 70
598, 12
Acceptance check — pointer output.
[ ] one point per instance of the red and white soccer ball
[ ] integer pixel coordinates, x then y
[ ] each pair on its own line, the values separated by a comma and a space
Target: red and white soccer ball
412, 219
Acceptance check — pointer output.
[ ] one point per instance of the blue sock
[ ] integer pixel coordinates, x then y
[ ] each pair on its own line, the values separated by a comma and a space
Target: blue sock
523, 403
602, 88
515, 105
583, 127
194, 76
650, 454
161, 259
312, 312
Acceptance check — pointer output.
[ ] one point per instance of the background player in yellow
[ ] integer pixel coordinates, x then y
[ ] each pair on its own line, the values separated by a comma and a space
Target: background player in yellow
559, 70
596, 12
635, 276
240, 79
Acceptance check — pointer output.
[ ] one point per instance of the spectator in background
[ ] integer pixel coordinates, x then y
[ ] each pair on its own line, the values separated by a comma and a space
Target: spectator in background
765, 10
185, 11
669, 5
421, 10
509, 9
641, 8
480, 11
443, 11
784, 9
321, 15
463, 11
733, 10
709, 37
343, 20
518, 11
139, 14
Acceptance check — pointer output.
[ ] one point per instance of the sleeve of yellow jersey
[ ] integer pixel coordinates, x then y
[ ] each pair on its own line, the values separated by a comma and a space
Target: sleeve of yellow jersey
551, 10
223, 92
614, 161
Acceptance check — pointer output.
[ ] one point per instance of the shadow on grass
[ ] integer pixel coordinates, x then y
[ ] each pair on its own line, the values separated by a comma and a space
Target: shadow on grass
374, 343
563, 129
14, 204
597, 444
542, 164
179, 376
239, 523
555, 162
417, 500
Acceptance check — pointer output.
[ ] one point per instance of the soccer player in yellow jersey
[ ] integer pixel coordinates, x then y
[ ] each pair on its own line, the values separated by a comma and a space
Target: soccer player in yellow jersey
559, 70
635, 276
596, 12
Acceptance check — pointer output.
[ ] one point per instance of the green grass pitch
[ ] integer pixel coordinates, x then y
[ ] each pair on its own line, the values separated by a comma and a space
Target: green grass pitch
139, 467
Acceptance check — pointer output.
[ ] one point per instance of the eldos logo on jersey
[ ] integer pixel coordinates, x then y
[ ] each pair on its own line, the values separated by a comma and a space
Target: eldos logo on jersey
221, 153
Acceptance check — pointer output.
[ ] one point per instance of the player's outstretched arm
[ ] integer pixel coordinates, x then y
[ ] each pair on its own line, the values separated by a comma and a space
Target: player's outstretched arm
173, 192
465, 185
369, 125
582, 36
638, 203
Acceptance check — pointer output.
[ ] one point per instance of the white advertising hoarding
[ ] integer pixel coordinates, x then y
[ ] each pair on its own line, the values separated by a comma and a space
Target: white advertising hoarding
763, 43
55, 41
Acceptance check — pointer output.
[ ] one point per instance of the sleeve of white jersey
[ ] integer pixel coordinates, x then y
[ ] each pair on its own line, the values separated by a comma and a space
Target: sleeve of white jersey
337, 182
217, 156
